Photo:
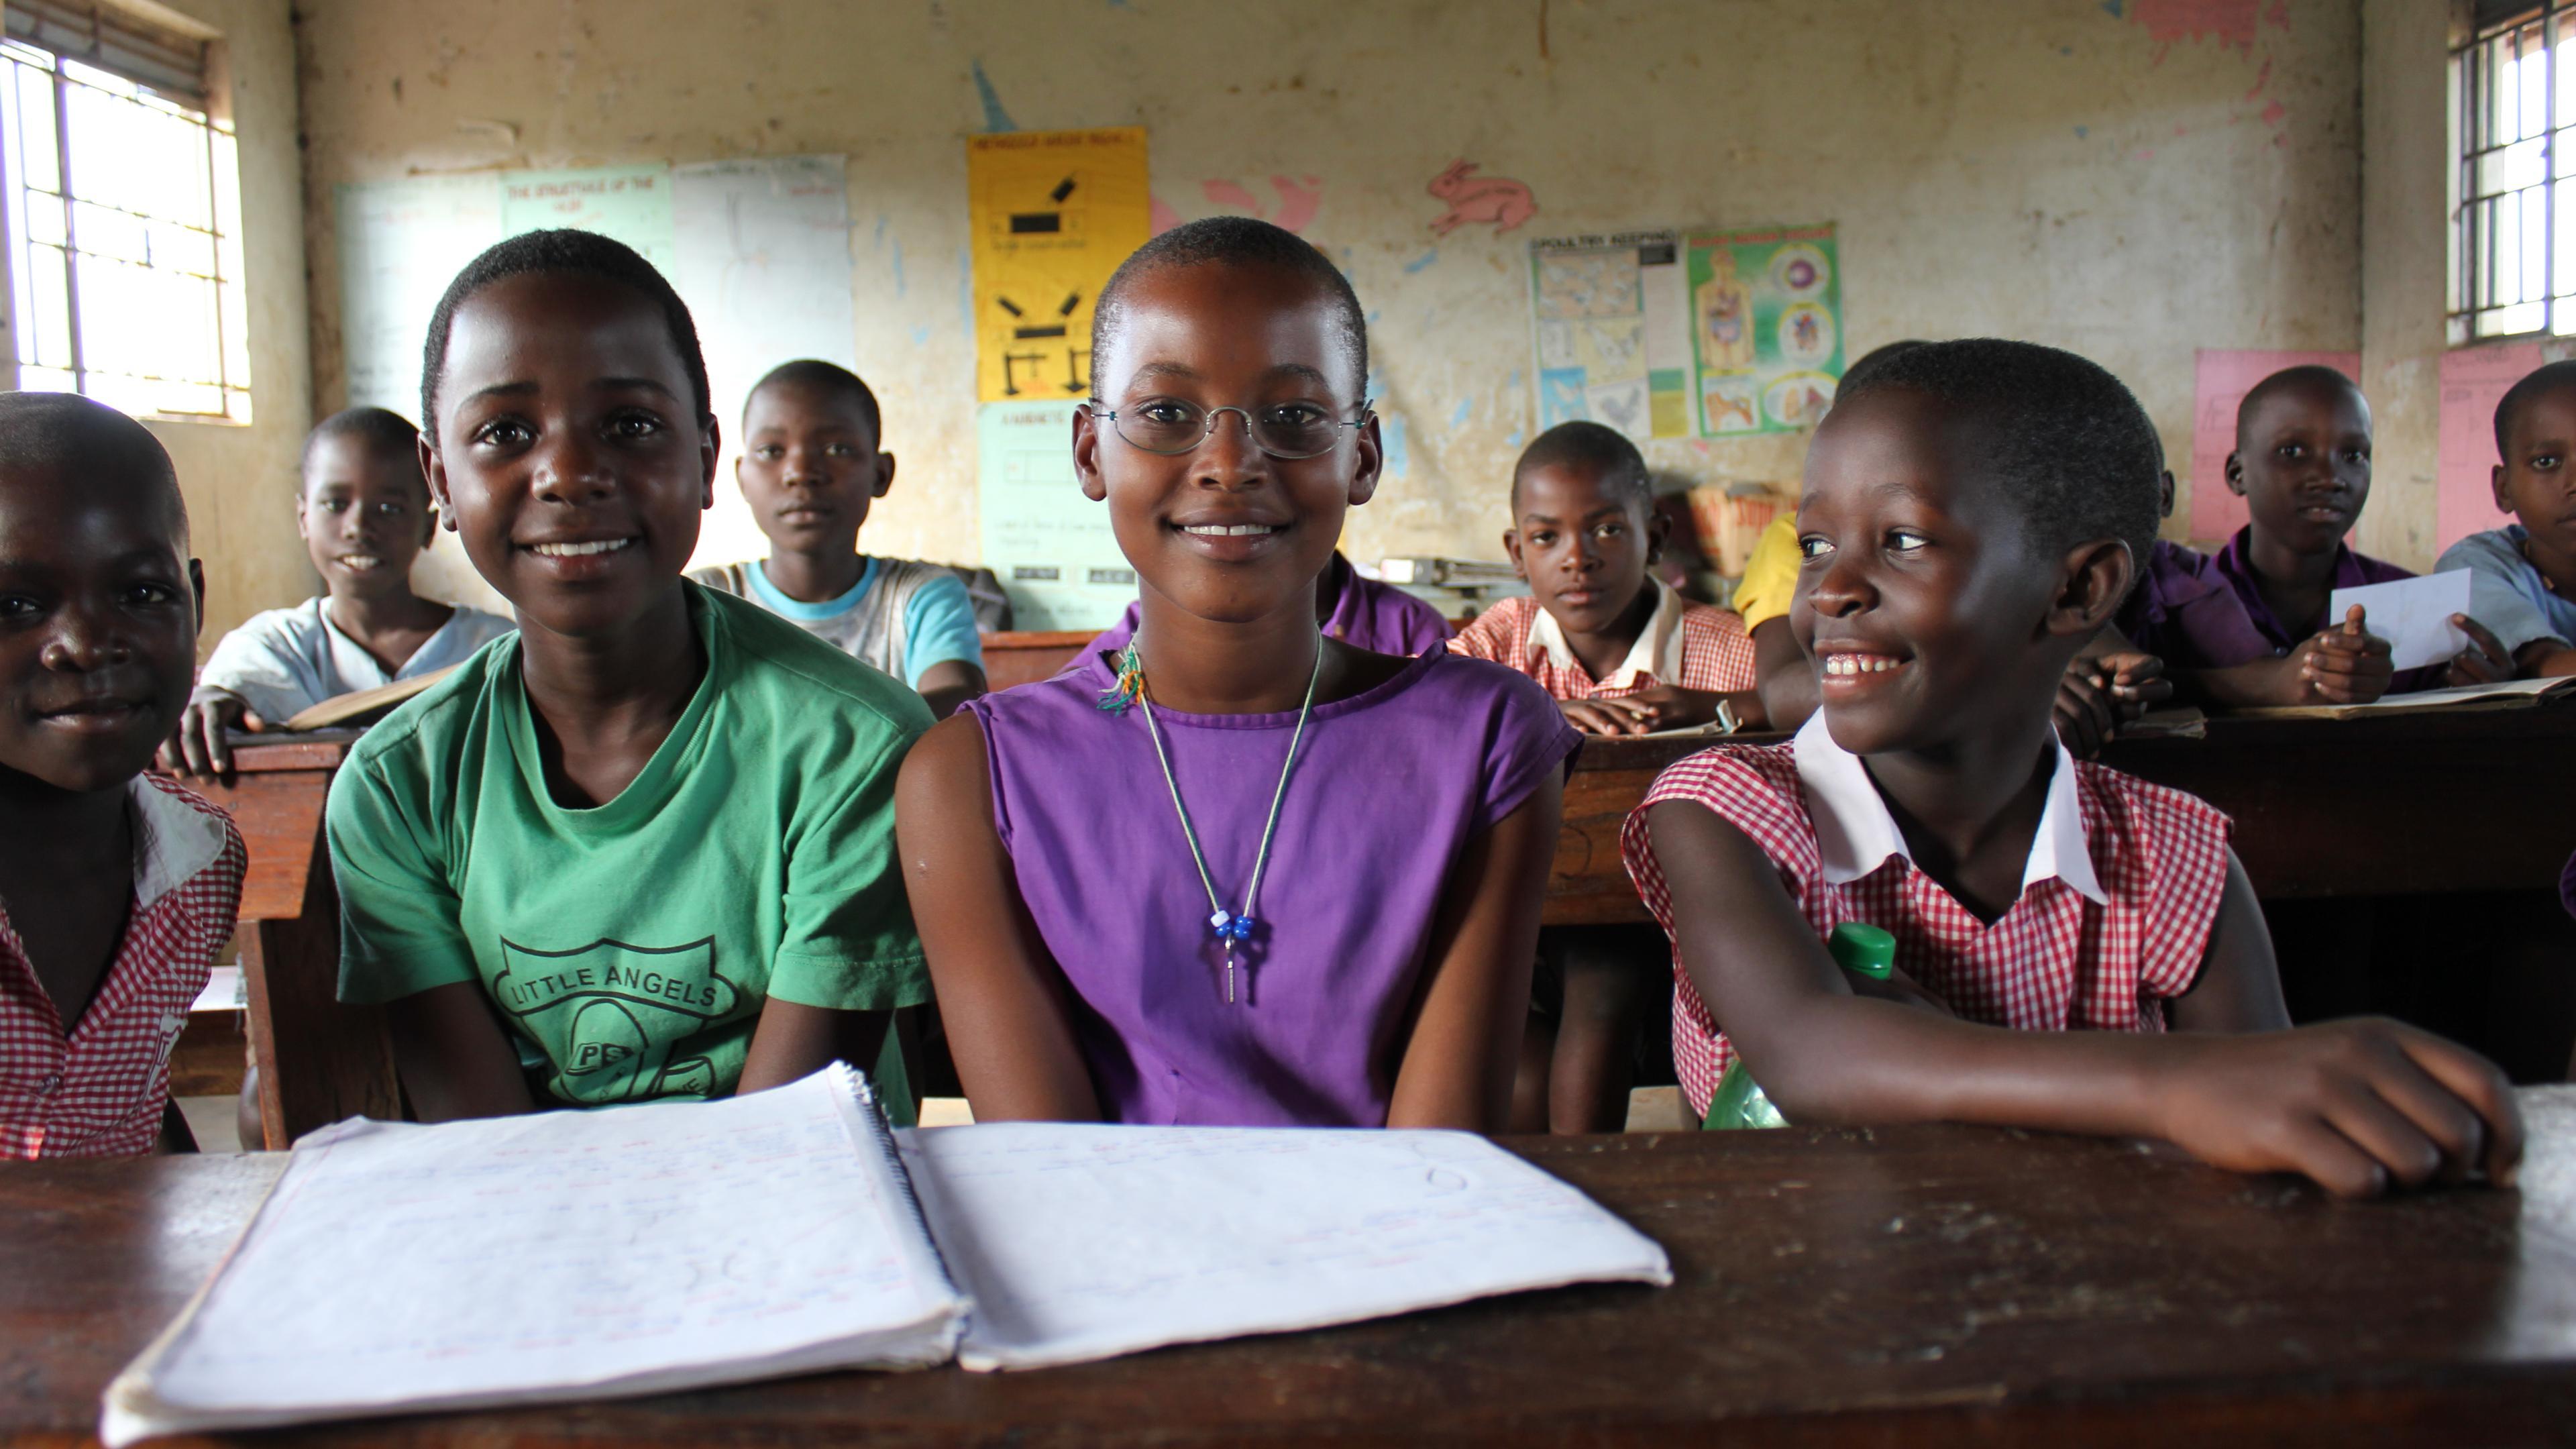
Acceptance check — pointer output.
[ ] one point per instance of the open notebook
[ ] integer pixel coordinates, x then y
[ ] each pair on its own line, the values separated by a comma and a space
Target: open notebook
399, 1268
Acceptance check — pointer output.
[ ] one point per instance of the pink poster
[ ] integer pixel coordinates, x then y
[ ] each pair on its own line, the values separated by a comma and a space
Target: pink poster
2221, 380
2473, 379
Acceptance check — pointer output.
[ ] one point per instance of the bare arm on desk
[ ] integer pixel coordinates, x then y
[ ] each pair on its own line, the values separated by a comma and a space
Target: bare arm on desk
454, 1059
2354, 1105
1000, 992
1474, 999
948, 684
793, 1041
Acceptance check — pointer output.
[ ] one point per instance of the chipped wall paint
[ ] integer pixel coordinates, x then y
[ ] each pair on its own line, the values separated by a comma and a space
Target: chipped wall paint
1950, 157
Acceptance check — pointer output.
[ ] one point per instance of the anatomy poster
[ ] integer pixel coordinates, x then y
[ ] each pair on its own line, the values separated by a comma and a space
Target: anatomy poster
1610, 318
1050, 215
1765, 328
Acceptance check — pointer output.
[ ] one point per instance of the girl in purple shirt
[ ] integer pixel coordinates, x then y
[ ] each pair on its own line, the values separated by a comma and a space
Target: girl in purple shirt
1240, 872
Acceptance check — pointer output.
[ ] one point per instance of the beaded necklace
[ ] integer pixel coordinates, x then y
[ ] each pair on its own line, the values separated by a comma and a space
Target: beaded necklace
1231, 928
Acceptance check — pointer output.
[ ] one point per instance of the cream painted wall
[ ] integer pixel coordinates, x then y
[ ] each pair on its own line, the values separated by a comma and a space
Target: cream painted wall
2102, 176
2405, 257
240, 481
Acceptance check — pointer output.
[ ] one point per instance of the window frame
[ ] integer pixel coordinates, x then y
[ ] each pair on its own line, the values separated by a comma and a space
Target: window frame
223, 271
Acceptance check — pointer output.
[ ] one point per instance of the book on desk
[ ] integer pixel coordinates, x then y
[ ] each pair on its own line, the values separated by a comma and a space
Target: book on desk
400, 1268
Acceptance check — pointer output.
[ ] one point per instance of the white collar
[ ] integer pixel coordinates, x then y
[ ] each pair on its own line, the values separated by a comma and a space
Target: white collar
1855, 834
173, 840
1657, 652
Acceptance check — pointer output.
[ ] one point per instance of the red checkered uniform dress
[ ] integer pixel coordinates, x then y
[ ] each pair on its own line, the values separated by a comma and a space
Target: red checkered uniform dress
1716, 653
2054, 961
100, 1091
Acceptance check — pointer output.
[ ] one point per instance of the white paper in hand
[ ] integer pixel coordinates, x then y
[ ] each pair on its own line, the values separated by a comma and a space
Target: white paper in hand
2413, 615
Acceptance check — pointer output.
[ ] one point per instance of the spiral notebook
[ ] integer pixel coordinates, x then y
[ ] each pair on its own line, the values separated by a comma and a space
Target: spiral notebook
398, 1268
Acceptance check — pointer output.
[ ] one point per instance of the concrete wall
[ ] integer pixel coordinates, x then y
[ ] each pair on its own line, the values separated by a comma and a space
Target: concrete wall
240, 481
2406, 158
2130, 178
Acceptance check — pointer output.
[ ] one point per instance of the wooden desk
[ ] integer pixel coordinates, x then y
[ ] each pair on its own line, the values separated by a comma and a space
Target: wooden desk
1024, 656
2401, 805
337, 1062
1896, 1286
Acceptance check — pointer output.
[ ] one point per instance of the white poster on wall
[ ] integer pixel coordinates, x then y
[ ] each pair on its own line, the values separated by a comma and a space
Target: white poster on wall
761, 251
1051, 545
759, 248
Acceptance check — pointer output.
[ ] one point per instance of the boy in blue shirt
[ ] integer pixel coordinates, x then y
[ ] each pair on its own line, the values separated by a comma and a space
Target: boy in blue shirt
810, 469
2526, 591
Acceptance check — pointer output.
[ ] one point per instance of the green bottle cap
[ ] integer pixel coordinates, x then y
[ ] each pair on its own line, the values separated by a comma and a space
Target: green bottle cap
1863, 950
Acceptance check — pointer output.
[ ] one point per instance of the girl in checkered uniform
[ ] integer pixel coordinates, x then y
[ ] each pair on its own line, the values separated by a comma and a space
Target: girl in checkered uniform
1972, 514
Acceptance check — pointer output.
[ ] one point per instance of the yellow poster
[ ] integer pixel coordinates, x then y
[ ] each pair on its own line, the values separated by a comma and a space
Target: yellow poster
1052, 214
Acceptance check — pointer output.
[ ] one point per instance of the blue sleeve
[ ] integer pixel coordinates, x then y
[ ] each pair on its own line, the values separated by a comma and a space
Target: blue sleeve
938, 626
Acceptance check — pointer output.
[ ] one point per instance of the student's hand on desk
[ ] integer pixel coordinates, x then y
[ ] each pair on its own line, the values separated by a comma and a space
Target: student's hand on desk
2344, 664
1658, 707
2357, 1105
1607, 716
197, 747
2485, 661
2100, 692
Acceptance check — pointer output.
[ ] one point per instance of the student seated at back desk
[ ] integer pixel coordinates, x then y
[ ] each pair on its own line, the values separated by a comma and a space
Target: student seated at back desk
2052, 919
363, 512
1251, 875
117, 888
2302, 465
2532, 560
1621, 654
641, 849
811, 468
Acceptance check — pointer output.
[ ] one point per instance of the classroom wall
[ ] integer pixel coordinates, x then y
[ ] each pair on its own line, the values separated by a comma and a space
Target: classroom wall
2130, 178
2405, 260
240, 480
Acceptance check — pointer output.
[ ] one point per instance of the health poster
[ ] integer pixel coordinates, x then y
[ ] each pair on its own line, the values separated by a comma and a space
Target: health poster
1610, 322
1051, 545
1050, 215
1766, 328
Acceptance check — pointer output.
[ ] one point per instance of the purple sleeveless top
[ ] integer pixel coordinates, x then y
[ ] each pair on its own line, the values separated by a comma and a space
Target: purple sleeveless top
1379, 618
1388, 788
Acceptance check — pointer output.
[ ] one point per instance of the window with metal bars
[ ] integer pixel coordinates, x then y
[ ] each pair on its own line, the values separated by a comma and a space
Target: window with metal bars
119, 198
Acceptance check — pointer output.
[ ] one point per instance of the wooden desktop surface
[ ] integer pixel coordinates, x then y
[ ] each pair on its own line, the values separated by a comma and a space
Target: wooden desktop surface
2397, 805
1913, 1286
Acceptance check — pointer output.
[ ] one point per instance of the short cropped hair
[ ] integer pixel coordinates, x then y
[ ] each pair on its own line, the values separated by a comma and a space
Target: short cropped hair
65, 430
1240, 241
2070, 444
382, 431
1876, 357
1603, 450
2308, 375
568, 252
2547, 377
823, 377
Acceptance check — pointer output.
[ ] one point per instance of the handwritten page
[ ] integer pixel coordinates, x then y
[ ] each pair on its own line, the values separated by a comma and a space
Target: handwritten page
2413, 615
567, 1255
1081, 1242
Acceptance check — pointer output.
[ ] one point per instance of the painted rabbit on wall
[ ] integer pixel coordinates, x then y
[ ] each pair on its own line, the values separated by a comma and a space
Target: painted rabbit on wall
1472, 198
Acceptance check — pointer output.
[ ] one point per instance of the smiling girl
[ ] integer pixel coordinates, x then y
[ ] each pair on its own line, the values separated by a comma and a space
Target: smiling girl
2075, 949
1237, 872
642, 849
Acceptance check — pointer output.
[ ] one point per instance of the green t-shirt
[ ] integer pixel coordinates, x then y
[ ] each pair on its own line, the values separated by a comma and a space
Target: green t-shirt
630, 947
